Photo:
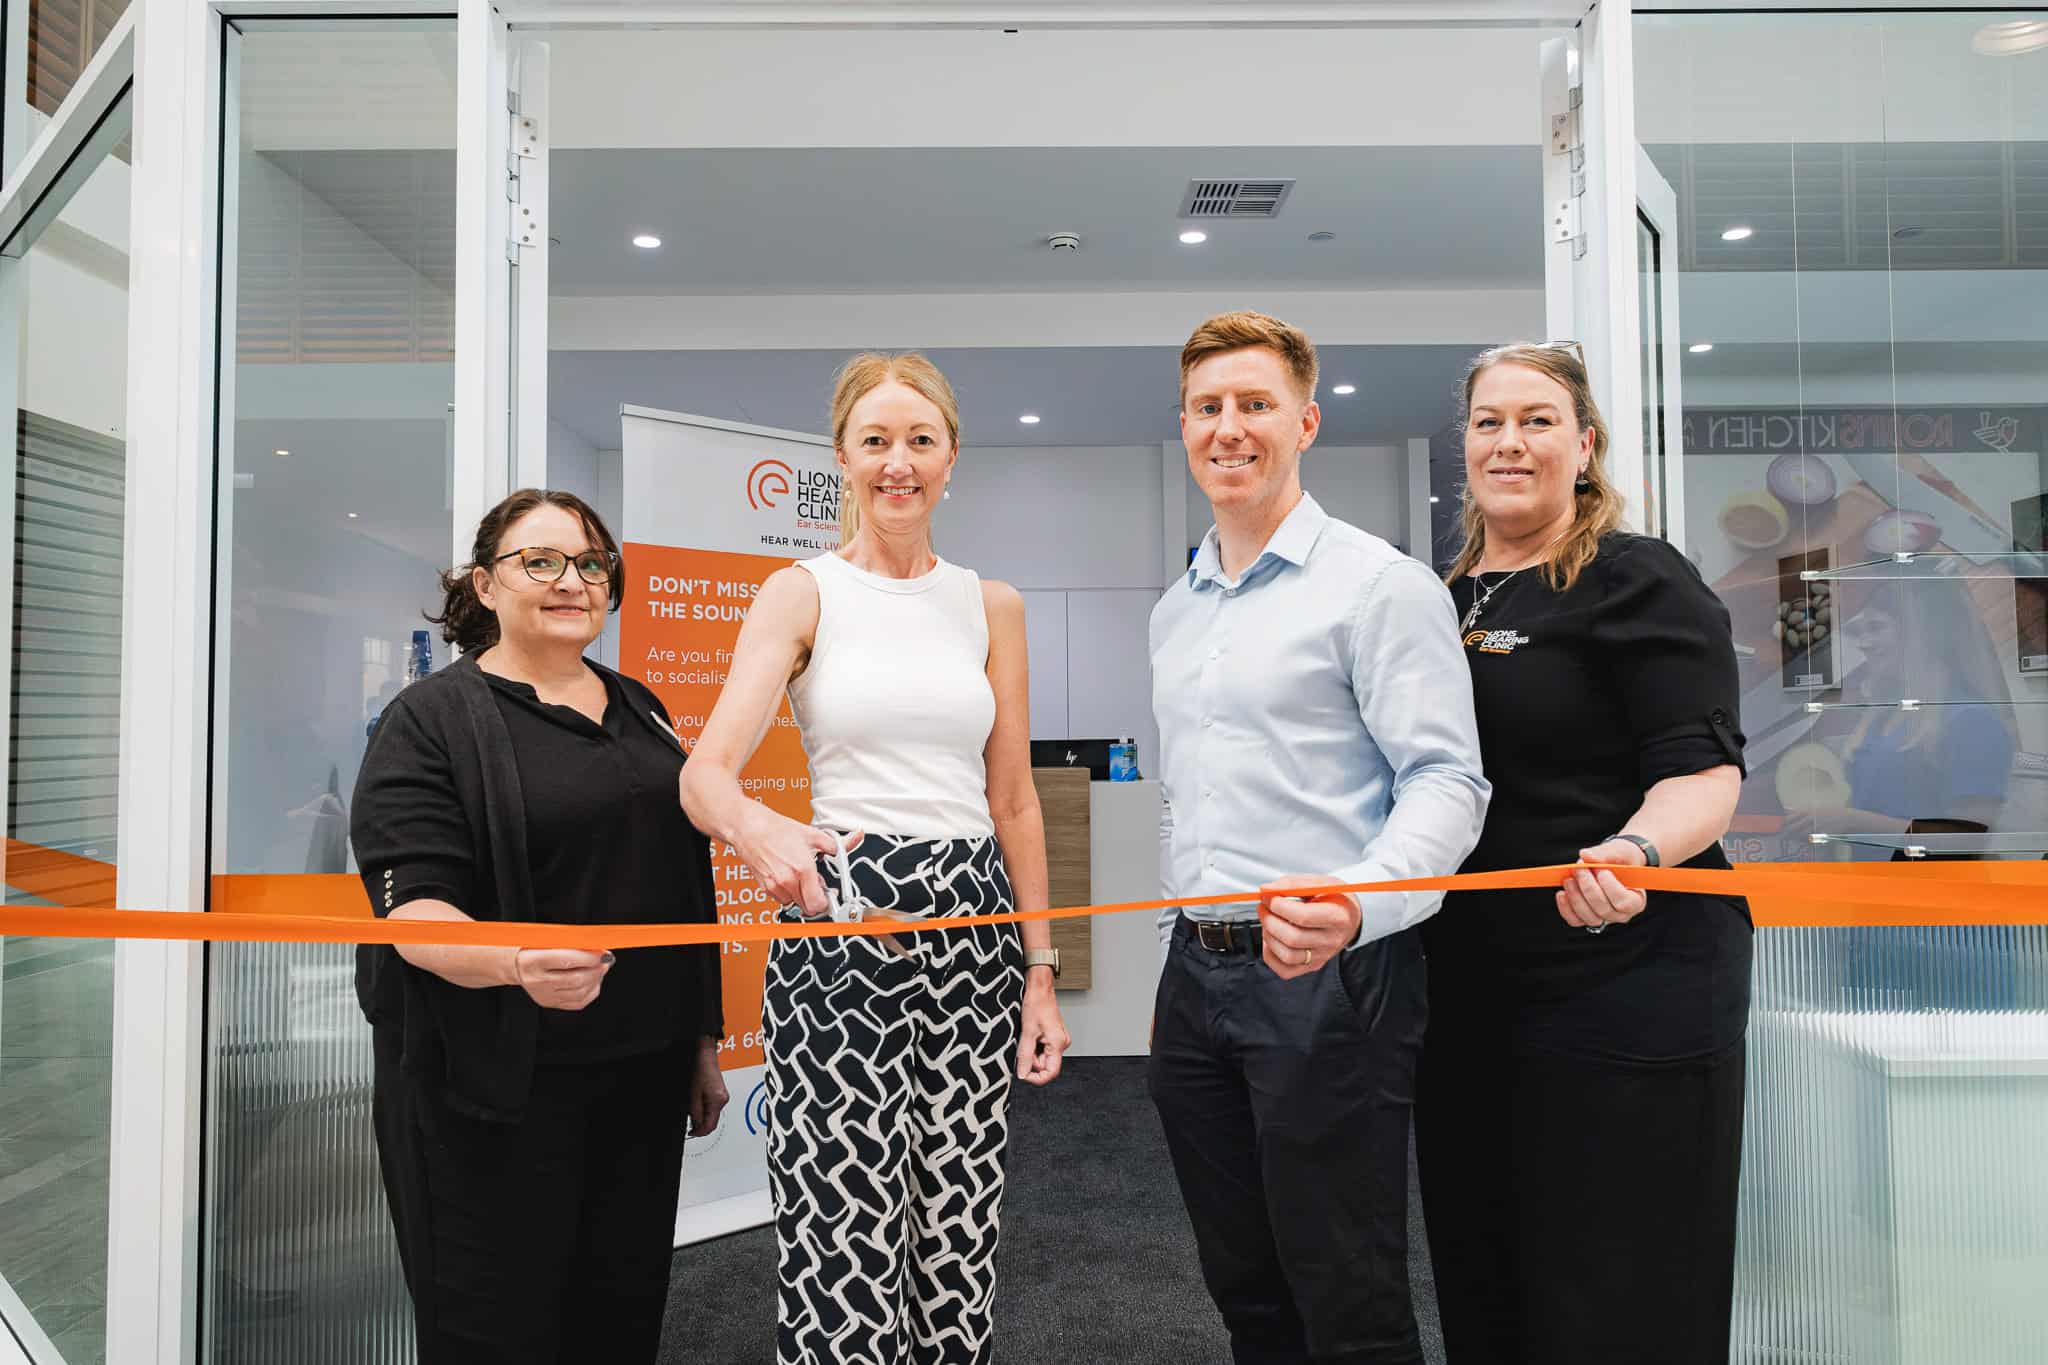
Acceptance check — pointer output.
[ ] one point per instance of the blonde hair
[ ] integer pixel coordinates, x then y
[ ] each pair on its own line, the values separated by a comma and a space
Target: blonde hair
1596, 508
1238, 331
862, 375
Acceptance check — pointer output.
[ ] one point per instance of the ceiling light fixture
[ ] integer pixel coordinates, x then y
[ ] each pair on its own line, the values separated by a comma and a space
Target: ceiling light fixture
280, 453
352, 516
1322, 236
1029, 419
2011, 39
1193, 237
1434, 498
1737, 234
1700, 347
647, 241
1342, 390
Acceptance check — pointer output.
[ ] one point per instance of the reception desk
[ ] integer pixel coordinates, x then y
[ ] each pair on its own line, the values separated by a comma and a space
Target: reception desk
1112, 1015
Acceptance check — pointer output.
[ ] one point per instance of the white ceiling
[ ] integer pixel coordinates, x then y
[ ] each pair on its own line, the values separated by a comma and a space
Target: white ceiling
939, 220
1085, 396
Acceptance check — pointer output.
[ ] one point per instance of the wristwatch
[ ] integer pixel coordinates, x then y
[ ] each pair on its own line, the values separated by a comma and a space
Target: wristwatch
1043, 957
1650, 858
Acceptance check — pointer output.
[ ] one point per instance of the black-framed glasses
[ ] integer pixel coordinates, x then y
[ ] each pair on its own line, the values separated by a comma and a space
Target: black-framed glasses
546, 565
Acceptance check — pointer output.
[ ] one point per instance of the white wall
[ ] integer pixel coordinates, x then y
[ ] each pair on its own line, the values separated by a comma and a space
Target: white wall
983, 88
1077, 530
850, 322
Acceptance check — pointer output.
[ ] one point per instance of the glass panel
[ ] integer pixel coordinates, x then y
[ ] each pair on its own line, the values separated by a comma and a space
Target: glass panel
63, 36
335, 519
70, 294
1650, 315
1868, 252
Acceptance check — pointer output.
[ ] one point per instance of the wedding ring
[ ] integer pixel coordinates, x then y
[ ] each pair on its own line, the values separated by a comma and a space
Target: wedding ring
1596, 928
1308, 955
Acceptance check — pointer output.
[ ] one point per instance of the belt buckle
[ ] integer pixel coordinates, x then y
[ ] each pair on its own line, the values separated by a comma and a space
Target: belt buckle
1215, 935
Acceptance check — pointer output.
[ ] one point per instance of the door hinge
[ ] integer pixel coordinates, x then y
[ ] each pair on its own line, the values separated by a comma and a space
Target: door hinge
526, 226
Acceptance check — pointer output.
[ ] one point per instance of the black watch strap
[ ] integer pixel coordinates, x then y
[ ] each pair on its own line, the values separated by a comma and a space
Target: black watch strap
1650, 858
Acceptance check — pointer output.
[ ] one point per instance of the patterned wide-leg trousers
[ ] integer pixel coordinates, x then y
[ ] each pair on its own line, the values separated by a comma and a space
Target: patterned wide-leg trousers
888, 1090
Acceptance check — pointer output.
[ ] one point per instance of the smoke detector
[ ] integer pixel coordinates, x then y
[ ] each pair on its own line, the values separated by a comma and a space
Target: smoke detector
1064, 241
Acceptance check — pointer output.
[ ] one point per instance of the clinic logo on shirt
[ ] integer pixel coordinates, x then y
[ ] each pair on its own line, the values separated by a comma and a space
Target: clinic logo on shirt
767, 482
1494, 641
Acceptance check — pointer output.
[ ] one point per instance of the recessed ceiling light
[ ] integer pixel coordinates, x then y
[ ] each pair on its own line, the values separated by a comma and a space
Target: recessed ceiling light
1700, 347
1341, 389
280, 452
1193, 237
1029, 419
647, 241
1737, 234
352, 516
2011, 40
1434, 498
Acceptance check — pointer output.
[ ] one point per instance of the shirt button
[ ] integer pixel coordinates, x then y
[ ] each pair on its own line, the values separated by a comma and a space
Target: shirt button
1230, 592
1720, 717
1207, 792
1206, 722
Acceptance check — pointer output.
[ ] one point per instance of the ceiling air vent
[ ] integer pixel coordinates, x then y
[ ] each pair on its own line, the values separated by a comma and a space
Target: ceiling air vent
1235, 198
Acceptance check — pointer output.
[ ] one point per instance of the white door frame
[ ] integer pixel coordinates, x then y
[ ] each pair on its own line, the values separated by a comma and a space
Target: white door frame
499, 440
1657, 202
175, 388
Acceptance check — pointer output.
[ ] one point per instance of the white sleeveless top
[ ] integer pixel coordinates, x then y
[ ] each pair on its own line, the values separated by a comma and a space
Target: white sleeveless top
895, 706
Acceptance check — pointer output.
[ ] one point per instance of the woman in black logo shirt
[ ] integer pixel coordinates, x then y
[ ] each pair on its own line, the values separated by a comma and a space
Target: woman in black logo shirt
1579, 1109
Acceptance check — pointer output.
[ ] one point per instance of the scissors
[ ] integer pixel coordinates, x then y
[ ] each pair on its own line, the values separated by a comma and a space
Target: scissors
850, 907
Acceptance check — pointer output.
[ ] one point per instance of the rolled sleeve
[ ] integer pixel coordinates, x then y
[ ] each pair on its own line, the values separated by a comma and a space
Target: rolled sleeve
411, 838
1415, 696
1672, 654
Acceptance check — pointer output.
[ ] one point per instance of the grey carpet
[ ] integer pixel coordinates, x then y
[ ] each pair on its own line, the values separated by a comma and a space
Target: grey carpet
1097, 1262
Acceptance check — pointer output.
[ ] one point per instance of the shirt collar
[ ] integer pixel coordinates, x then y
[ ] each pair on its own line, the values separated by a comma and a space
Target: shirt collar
1291, 541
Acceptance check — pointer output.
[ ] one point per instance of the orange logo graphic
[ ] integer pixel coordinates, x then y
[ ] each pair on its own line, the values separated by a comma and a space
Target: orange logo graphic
766, 482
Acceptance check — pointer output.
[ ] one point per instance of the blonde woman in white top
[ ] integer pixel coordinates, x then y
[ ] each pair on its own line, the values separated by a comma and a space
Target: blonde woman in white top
890, 1060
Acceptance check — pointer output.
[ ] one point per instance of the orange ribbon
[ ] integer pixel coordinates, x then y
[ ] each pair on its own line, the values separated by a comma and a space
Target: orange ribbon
1780, 894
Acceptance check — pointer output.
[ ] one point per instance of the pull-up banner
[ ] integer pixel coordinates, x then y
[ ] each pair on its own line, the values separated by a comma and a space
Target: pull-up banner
711, 509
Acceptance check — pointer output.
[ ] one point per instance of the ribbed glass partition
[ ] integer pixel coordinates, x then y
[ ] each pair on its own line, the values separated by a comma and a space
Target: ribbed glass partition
335, 518
1894, 1203
1863, 246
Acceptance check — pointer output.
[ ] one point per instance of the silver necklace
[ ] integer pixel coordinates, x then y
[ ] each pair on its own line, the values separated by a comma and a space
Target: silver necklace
1485, 596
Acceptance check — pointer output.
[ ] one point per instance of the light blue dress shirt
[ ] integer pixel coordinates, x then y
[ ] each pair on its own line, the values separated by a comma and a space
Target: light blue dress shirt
1315, 716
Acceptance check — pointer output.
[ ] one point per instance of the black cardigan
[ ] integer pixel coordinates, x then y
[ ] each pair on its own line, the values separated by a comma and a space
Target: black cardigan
477, 1045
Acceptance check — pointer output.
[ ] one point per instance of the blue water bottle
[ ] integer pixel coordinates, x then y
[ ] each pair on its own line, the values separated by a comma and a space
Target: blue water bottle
420, 661
1123, 760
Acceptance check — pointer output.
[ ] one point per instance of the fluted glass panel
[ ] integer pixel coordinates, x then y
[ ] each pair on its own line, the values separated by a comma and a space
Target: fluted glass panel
1863, 255
335, 518
67, 518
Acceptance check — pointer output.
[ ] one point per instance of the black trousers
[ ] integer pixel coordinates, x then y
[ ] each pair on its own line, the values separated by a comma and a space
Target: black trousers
1580, 1212
546, 1241
1286, 1107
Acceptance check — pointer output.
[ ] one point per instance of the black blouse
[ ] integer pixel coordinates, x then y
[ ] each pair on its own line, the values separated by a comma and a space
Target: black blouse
605, 841
1586, 699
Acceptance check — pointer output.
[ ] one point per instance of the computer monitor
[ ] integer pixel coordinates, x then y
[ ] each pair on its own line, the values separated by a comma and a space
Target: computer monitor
1092, 754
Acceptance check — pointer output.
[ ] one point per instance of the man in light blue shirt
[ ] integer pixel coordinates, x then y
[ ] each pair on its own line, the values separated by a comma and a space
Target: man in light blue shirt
1316, 727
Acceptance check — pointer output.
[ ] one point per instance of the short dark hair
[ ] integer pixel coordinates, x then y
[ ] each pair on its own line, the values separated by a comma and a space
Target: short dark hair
465, 621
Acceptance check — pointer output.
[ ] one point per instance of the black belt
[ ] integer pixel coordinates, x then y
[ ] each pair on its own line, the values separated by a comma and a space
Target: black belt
1225, 936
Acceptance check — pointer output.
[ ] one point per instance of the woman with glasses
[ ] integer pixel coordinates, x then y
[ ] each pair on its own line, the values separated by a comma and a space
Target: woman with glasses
531, 1103
1579, 1108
